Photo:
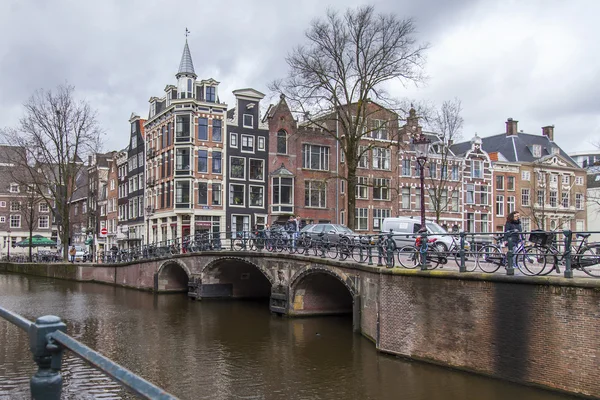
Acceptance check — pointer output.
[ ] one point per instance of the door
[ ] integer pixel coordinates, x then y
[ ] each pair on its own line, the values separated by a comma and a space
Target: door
240, 225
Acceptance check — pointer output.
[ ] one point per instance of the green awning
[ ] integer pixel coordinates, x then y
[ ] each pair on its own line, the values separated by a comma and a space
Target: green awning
37, 241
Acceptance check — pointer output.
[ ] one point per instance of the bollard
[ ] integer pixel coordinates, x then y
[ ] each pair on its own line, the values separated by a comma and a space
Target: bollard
389, 254
510, 266
369, 251
568, 238
47, 382
462, 267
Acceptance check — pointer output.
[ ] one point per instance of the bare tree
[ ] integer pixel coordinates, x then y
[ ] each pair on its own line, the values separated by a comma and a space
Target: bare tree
335, 78
446, 123
29, 211
58, 132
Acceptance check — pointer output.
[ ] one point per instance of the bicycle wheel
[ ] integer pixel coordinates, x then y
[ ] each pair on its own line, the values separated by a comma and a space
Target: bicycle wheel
537, 261
359, 253
490, 258
408, 257
238, 244
470, 260
588, 259
332, 251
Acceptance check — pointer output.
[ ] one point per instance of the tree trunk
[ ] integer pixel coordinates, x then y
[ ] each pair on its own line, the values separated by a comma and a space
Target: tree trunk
351, 195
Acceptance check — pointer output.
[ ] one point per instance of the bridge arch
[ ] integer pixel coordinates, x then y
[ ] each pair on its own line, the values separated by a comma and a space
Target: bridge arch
318, 290
235, 277
172, 276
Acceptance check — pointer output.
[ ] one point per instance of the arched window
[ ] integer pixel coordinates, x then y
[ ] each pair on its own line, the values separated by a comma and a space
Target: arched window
282, 142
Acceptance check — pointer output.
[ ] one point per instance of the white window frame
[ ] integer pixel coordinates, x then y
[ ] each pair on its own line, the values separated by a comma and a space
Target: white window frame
499, 206
251, 120
525, 194
17, 218
250, 196
229, 195
261, 143
2, 219
379, 214
380, 157
380, 183
525, 175
13, 204
579, 180
263, 169
579, 201
342, 186
323, 157
362, 183
550, 197
250, 140
511, 204
363, 161
230, 169
308, 187
359, 217
473, 169
14, 188
233, 140
3, 204
43, 218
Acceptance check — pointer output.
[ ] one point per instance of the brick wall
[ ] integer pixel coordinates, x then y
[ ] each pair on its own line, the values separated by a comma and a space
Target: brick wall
537, 334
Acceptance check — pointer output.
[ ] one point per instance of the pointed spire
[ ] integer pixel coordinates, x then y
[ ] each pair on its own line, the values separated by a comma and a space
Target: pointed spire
186, 66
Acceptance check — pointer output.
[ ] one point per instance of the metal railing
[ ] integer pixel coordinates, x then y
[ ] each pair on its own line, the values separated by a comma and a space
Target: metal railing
468, 252
48, 340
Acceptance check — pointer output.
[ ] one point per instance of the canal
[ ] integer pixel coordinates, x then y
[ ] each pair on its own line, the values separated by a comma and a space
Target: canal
220, 350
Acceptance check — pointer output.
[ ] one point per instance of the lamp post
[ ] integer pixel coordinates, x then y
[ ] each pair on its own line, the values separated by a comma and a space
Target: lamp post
9, 244
421, 145
149, 212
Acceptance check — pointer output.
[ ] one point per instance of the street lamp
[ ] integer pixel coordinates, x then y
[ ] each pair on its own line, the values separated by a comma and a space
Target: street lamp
421, 146
9, 244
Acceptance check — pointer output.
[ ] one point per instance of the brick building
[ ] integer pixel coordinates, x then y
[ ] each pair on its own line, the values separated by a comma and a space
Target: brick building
78, 211
185, 146
112, 198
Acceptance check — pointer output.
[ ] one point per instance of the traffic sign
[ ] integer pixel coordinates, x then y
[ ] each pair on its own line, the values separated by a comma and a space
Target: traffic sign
104, 231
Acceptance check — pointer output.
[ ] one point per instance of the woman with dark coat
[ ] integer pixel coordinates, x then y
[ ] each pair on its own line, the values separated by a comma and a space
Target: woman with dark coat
513, 229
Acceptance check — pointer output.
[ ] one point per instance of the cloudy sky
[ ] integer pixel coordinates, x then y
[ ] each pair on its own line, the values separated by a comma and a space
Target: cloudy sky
536, 61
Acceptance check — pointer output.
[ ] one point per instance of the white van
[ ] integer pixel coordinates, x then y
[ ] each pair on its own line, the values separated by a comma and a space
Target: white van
406, 228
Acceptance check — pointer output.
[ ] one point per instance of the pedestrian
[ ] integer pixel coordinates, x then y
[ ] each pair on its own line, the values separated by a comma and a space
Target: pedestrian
512, 230
72, 253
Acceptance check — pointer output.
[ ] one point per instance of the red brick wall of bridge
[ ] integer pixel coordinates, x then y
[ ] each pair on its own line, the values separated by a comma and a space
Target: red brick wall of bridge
537, 334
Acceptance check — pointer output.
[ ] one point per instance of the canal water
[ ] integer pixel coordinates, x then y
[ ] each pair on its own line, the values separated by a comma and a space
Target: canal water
220, 350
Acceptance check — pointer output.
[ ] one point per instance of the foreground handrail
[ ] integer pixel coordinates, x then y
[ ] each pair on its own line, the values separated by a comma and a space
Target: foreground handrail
47, 340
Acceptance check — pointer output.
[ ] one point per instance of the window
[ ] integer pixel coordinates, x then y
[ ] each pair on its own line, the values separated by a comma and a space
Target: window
511, 204
202, 193
536, 150
140, 159
261, 143
381, 189
526, 175
579, 201
182, 128
112, 184
554, 178
2, 203
182, 195
248, 121
43, 222
343, 217
342, 156
470, 222
216, 130
15, 221
444, 172
342, 186
566, 180
455, 172
484, 223
553, 198
363, 154
579, 180
361, 187
432, 170
248, 143
362, 219
510, 183
476, 170
565, 200
216, 162
202, 160
483, 195
44, 207
14, 188
15, 206
210, 94
526, 224
405, 167
133, 137
406, 198
525, 197
236, 194
233, 140
182, 160
500, 206
499, 182
282, 190
314, 194
454, 202
470, 194
541, 197
541, 177
203, 129
315, 157
257, 170
237, 169
216, 194
379, 129
281, 142
2, 220
256, 196
381, 159
579, 225
417, 198
378, 216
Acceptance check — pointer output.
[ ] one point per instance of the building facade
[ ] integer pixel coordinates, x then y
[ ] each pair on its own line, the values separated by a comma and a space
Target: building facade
247, 156
185, 149
122, 199
136, 185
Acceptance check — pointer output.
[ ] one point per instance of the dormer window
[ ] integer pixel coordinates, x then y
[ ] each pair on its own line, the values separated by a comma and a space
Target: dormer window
536, 150
169, 97
152, 109
210, 94
248, 121
555, 150
14, 188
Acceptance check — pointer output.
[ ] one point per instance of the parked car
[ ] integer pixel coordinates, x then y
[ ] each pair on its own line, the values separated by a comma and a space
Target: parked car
80, 254
406, 228
334, 232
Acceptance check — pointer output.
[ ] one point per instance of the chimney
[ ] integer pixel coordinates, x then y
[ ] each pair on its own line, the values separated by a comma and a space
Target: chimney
450, 142
548, 131
511, 127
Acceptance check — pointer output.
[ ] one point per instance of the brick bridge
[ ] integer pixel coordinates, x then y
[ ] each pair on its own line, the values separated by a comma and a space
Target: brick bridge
542, 331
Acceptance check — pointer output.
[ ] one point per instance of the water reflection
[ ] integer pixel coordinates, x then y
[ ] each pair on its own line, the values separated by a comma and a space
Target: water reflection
220, 350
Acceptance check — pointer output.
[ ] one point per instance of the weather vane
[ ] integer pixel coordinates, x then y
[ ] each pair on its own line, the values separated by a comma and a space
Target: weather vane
187, 32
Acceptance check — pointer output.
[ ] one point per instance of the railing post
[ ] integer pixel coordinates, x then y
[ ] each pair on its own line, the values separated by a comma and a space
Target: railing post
389, 254
462, 267
47, 382
510, 266
380, 250
369, 250
568, 238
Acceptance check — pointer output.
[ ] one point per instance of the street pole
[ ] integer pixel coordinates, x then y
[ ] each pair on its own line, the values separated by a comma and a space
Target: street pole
421, 161
9, 244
